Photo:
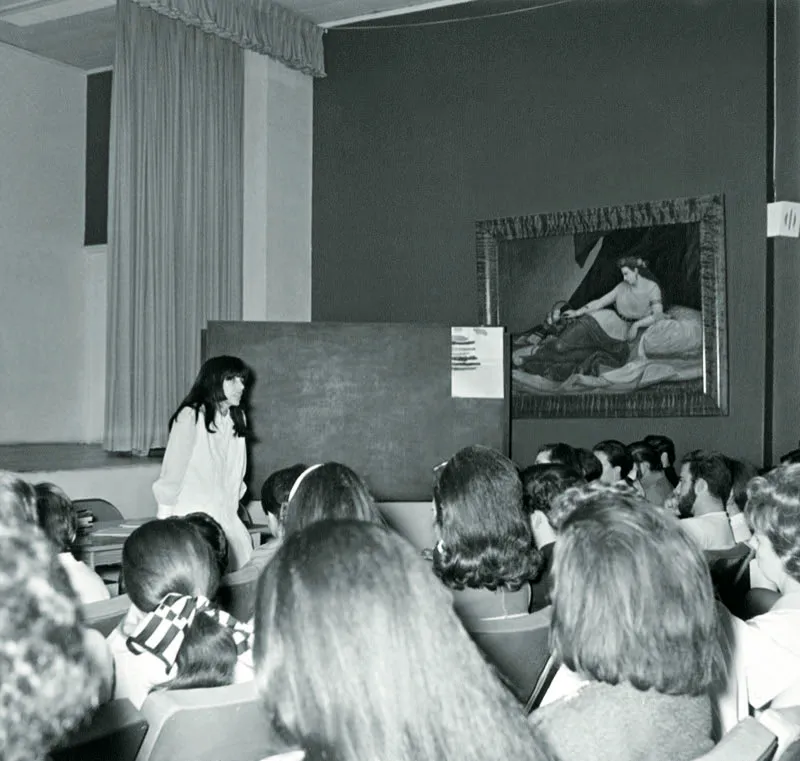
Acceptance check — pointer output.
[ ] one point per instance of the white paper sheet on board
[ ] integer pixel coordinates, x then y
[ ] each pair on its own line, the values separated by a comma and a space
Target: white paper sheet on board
476, 363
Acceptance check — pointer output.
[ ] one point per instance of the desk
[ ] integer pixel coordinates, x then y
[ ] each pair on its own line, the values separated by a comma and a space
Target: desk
105, 540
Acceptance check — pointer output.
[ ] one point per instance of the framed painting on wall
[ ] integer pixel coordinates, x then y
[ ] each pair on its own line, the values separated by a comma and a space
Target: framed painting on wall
618, 311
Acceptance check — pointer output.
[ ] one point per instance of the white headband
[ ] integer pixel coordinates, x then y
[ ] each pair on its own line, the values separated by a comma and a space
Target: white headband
300, 478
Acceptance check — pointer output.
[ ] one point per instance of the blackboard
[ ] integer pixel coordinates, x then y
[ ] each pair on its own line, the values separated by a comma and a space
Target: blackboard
373, 396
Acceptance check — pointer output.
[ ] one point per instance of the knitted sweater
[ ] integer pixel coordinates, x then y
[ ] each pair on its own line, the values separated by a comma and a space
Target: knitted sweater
620, 723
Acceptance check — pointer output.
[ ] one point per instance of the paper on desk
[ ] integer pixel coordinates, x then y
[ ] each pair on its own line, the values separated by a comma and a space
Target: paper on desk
476, 363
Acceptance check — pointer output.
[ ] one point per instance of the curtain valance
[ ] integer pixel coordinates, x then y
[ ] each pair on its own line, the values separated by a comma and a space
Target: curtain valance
258, 25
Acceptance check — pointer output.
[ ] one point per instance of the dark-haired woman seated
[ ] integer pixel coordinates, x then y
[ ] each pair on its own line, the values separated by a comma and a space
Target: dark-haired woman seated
485, 552
172, 637
359, 656
634, 616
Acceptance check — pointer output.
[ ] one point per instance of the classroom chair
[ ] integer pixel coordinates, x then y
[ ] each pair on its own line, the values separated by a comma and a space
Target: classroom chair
518, 648
207, 724
101, 509
114, 731
104, 615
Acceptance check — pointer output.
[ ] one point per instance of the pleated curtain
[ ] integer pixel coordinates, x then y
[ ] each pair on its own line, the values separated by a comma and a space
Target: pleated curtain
175, 215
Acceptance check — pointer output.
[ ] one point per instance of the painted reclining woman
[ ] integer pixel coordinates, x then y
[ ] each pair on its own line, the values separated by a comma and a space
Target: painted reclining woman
598, 336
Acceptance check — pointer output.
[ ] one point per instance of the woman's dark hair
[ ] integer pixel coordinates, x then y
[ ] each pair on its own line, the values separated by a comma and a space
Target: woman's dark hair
329, 491
561, 453
742, 472
591, 468
618, 456
214, 534
56, 516
278, 485
543, 482
17, 499
791, 458
641, 451
359, 655
662, 445
616, 552
170, 555
486, 539
206, 392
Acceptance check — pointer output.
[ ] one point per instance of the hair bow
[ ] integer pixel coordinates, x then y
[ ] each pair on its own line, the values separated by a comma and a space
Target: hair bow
161, 633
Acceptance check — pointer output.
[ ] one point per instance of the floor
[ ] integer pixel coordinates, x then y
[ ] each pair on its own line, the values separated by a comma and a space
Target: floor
25, 458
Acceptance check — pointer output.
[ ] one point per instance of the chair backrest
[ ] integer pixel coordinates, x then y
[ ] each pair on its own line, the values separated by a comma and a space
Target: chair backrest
114, 731
412, 520
213, 724
237, 592
106, 614
729, 573
747, 741
517, 647
101, 509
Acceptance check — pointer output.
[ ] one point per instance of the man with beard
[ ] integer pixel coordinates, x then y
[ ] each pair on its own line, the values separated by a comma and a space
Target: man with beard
700, 497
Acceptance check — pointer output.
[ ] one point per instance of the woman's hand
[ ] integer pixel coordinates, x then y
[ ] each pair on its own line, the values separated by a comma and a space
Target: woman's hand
571, 314
633, 331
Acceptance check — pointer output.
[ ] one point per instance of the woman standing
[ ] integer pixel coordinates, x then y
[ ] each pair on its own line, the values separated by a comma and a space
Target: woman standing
205, 460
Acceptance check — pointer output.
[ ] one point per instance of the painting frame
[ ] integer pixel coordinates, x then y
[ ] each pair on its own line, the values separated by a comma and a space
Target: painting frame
708, 395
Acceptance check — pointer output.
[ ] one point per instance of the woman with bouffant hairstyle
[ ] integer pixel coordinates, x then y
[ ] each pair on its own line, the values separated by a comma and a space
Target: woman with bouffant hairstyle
50, 677
769, 647
485, 552
633, 615
359, 656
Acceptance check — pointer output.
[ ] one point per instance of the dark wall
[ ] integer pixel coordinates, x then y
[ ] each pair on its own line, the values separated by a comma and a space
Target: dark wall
419, 132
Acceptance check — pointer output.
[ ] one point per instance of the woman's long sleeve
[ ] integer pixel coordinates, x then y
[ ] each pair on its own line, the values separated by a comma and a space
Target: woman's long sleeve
176, 458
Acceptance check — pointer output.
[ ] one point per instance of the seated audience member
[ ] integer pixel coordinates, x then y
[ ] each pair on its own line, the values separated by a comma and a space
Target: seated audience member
769, 644
615, 460
701, 496
274, 498
541, 485
561, 453
742, 472
634, 616
650, 473
59, 521
666, 451
50, 679
485, 552
214, 534
591, 468
330, 490
17, 499
172, 638
359, 656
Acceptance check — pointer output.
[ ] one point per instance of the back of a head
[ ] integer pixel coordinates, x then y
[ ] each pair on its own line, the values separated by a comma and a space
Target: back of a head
213, 533
56, 516
791, 458
642, 452
713, 469
167, 556
615, 552
486, 540
48, 683
742, 472
618, 456
276, 488
359, 655
560, 453
17, 499
591, 468
544, 482
329, 492
662, 444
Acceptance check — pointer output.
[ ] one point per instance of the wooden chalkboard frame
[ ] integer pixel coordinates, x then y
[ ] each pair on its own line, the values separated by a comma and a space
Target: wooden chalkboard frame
316, 381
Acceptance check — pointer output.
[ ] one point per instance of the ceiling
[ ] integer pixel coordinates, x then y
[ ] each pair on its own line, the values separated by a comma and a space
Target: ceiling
80, 33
